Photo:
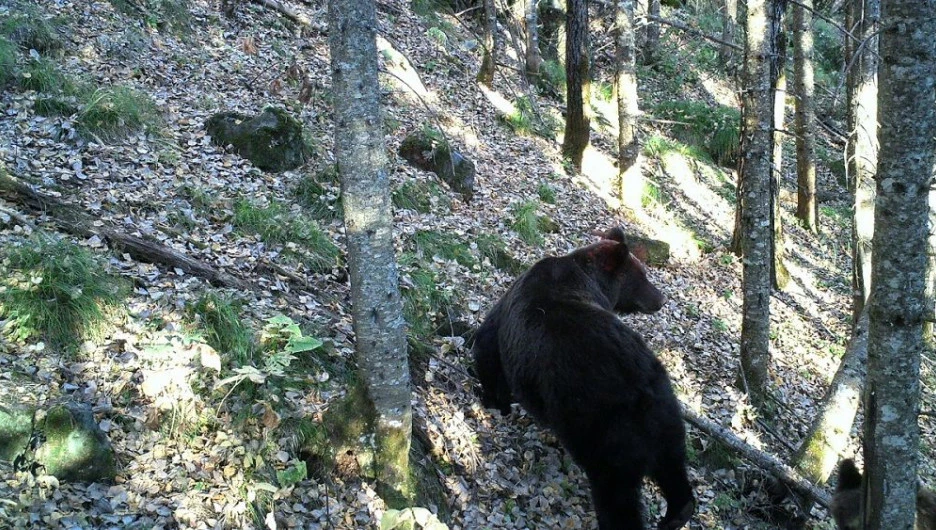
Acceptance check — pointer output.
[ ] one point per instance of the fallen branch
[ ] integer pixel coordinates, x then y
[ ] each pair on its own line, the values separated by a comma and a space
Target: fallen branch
285, 10
765, 461
693, 31
70, 219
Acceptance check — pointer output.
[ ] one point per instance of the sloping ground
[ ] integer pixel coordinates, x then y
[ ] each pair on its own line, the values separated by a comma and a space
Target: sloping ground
496, 472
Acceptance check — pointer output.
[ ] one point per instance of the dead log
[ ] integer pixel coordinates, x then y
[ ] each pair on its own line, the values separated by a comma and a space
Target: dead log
71, 220
765, 461
285, 10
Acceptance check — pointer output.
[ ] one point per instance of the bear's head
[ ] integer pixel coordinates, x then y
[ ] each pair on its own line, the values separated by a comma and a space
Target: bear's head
846, 503
619, 274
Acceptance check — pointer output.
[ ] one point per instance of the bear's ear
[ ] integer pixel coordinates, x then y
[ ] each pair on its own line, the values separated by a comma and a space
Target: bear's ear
614, 234
849, 476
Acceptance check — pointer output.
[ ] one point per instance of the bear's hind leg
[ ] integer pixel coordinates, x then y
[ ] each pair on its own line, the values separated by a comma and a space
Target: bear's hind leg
617, 500
670, 475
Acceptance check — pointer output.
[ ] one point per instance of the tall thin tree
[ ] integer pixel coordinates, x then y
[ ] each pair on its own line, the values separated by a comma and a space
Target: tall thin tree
626, 94
779, 276
578, 84
805, 116
489, 41
376, 305
907, 118
861, 53
753, 229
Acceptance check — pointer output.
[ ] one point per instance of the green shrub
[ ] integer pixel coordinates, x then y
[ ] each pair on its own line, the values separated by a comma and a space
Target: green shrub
715, 129
219, 318
524, 120
552, 77
546, 193
113, 113
279, 225
7, 61
526, 222
56, 290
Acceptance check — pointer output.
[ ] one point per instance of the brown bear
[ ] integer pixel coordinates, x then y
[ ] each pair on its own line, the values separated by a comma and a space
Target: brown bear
846, 503
554, 344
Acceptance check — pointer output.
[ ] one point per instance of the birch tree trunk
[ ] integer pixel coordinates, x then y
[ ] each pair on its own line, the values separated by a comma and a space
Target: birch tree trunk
377, 309
861, 152
806, 204
907, 117
578, 84
754, 197
626, 92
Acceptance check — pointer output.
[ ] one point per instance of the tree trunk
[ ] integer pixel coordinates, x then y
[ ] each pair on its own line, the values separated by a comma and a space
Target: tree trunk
534, 58
577, 82
806, 204
862, 148
754, 197
626, 92
779, 276
648, 29
831, 428
907, 118
489, 42
377, 308
726, 54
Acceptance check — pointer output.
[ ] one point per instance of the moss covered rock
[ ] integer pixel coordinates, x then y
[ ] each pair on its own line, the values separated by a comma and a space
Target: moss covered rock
272, 140
16, 425
74, 447
424, 151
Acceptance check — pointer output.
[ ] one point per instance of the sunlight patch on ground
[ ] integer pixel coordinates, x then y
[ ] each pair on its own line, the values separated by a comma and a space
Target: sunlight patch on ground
403, 76
503, 105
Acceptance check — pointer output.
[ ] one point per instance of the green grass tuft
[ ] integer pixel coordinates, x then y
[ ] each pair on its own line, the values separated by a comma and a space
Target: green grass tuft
526, 222
30, 30
420, 196
113, 113
431, 243
546, 193
161, 15
55, 290
320, 195
219, 317
493, 248
7, 61
279, 225
44, 75
525, 121
715, 129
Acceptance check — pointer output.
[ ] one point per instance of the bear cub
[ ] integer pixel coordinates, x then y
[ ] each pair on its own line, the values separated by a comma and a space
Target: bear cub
846, 503
554, 344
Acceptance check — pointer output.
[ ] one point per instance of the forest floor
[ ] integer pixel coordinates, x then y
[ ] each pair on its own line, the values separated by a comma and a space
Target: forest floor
177, 188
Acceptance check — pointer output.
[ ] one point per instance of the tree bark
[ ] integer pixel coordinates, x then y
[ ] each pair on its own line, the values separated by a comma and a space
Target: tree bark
754, 198
779, 276
377, 308
626, 93
578, 83
646, 15
489, 42
534, 58
726, 54
907, 118
862, 148
829, 433
806, 205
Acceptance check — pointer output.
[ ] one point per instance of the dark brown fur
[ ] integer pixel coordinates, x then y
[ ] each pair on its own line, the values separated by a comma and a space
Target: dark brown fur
846, 503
